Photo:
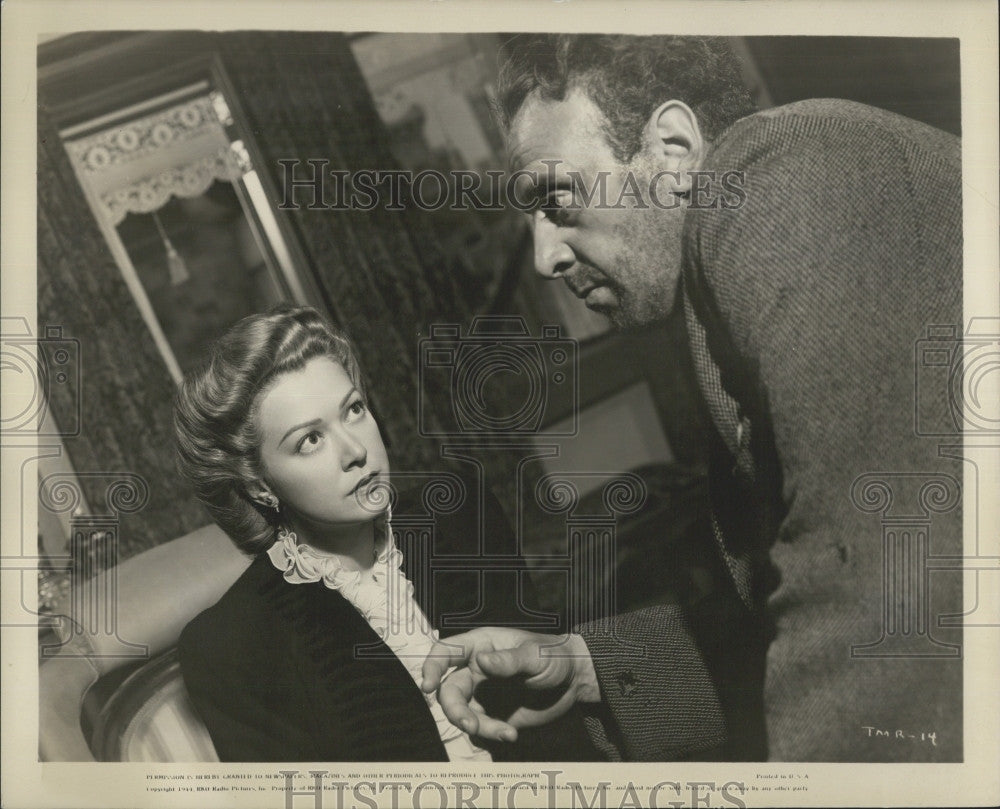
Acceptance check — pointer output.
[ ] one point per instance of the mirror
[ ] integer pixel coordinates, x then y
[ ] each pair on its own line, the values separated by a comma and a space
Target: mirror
182, 209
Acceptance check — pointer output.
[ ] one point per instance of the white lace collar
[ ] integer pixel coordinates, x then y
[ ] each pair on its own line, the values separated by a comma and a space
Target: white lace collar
301, 563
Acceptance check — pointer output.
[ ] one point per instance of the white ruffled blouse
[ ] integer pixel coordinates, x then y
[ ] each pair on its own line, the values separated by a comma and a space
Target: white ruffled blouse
412, 635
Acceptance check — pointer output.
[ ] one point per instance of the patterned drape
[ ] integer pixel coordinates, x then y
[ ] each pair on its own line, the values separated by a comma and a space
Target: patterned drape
125, 390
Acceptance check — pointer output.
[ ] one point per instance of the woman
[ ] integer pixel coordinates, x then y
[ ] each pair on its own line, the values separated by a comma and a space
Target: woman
315, 652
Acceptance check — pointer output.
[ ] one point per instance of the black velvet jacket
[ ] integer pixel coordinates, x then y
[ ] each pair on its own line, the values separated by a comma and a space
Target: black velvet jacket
292, 672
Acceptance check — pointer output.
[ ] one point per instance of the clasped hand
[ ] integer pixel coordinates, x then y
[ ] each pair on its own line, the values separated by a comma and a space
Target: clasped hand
554, 671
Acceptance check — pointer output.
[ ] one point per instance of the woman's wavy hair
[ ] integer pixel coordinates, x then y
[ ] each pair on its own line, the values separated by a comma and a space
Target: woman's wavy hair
627, 77
215, 412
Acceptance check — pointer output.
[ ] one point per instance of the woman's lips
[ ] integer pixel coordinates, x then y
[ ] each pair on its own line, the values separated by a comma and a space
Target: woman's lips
363, 482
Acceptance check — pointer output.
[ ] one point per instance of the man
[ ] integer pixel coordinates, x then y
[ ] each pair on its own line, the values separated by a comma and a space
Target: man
804, 289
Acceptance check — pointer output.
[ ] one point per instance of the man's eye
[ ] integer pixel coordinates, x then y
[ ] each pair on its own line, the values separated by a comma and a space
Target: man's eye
558, 198
309, 443
556, 206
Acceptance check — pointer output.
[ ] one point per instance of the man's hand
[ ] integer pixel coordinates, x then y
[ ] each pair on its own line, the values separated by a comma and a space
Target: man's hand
556, 667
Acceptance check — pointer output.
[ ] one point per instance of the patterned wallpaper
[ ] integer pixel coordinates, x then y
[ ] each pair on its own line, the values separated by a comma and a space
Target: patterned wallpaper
123, 391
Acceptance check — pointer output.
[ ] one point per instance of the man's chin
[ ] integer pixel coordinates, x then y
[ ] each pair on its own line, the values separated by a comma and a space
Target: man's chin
622, 312
617, 320
625, 319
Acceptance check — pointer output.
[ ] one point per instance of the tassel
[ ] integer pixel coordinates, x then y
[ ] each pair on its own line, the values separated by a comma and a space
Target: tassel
178, 269
175, 262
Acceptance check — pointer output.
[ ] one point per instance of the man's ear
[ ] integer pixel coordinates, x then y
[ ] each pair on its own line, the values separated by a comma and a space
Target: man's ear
673, 138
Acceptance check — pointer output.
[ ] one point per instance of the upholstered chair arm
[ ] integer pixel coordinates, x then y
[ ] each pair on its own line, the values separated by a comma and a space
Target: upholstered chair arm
158, 593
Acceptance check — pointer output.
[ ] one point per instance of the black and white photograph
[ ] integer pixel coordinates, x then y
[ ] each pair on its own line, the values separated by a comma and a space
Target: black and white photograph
548, 405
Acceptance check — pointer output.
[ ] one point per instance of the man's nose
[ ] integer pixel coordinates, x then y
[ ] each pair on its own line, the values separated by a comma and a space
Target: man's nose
553, 256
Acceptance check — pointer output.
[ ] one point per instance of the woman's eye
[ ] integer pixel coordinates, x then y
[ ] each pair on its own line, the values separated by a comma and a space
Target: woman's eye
309, 443
357, 407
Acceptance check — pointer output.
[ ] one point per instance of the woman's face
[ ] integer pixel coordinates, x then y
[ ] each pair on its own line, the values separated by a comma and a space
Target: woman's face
321, 449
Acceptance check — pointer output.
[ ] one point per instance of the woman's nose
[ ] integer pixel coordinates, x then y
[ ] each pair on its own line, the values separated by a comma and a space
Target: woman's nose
352, 451
553, 256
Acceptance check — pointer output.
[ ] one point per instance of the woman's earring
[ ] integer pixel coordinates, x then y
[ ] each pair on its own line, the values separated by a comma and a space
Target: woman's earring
270, 501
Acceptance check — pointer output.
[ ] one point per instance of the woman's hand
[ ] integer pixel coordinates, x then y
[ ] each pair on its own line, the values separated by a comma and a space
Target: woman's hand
555, 671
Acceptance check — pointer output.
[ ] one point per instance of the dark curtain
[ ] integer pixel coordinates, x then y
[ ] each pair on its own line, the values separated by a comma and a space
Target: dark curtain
125, 391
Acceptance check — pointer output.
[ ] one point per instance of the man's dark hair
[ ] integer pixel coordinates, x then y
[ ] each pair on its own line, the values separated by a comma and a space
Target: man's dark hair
627, 77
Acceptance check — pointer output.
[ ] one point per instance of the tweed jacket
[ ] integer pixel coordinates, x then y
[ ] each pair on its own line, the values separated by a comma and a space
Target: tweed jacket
805, 306
293, 672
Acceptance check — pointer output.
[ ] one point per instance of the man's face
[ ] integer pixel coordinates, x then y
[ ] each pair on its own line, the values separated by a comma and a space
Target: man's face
622, 261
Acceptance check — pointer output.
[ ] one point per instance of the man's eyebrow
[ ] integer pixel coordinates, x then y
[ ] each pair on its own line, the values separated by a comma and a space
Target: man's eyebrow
515, 158
542, 183
520, 158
